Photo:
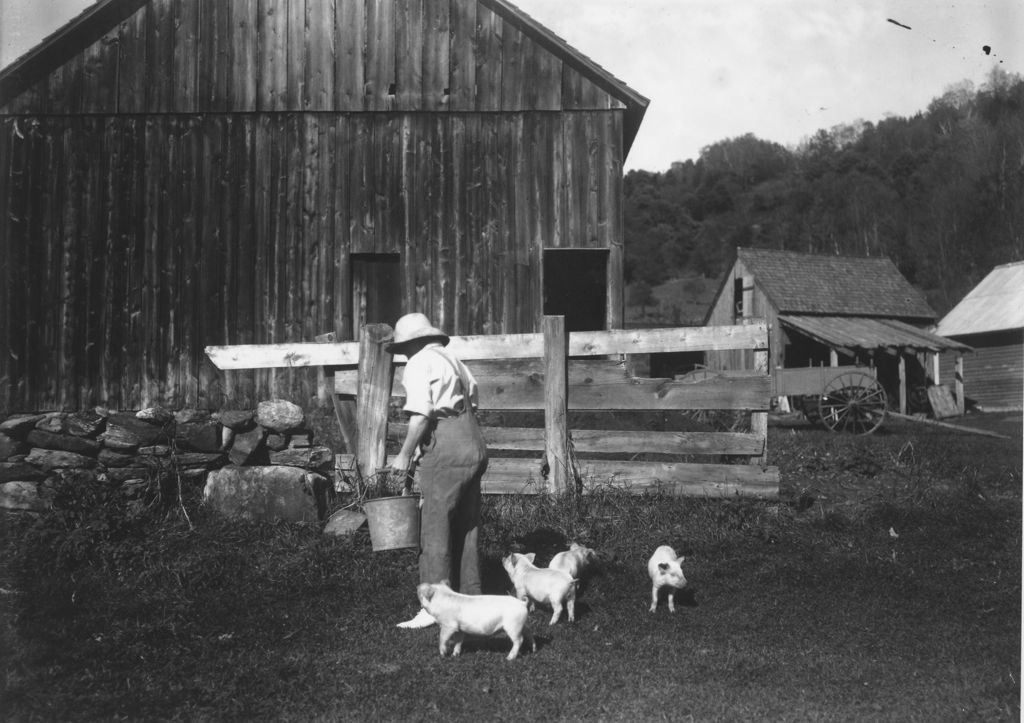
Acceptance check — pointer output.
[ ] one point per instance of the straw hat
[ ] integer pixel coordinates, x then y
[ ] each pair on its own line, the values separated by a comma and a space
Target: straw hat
413, 327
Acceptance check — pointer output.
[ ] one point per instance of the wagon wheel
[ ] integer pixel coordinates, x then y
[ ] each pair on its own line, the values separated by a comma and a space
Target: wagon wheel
853, 402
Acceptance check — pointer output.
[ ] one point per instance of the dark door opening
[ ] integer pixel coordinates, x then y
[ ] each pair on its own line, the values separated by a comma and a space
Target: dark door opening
576, 287
376, 290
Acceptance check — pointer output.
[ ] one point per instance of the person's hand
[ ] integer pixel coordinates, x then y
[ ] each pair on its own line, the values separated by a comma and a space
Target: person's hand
401, 464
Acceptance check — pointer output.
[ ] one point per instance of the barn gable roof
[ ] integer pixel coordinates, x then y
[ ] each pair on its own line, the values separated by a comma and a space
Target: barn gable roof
995, 304
800, 283
85, 39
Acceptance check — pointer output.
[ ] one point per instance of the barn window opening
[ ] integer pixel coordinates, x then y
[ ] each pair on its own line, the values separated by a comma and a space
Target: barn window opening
392, 89
376, 289
576, 287
743, 297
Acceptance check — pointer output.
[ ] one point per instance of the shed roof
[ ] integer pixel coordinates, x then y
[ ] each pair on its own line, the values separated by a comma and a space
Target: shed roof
995, 304
835, 285
870, 334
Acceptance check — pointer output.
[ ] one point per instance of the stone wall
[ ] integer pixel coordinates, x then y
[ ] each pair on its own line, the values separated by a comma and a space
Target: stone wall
259, 464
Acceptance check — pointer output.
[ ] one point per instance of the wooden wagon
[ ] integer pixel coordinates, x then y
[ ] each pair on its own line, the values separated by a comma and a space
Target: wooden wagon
842, 398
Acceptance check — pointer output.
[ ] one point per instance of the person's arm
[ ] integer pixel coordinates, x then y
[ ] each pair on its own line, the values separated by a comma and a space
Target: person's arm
419, 428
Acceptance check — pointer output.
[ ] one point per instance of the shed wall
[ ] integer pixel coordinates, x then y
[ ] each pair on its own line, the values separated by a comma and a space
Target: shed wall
994, 373
724, 312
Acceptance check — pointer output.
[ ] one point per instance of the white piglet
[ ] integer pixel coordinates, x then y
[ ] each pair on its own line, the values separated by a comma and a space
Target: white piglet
543, 585
665, 571
574, 561
459, 614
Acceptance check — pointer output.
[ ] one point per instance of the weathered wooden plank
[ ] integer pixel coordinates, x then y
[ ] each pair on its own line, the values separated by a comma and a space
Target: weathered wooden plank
159, 27
360, 189
133, 52
459, 247
488, 49
243, 57
436, 54
297, 40
520, 385
513, 80
442, 222
542, 75
189, 305
186, 51
462, 61
272, 92
350, 39
318, 38
214, 61
513, 476
375, 375
409, 30
682, 479
380, 54
99, 76
507, 346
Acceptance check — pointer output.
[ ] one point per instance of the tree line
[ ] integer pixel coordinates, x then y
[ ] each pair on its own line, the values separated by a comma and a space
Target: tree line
940, 193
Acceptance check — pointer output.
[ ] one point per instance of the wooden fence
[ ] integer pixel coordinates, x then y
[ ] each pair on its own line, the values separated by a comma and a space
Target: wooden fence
556, 372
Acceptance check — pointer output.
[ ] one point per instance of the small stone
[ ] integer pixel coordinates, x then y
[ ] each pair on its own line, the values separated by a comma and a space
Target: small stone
84, 424
279, 415
276, 442
155, 415
247, 447
52, 422
64, 442
186, 416
22, 496
20, 424
238, 420
50, 459
344, 522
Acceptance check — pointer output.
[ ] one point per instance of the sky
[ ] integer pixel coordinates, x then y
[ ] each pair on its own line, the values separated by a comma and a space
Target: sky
718, 69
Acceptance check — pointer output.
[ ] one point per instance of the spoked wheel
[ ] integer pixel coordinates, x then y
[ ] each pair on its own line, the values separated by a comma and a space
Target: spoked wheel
853, 402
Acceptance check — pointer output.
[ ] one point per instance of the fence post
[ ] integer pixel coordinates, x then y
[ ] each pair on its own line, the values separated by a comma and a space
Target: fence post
374, 393
556, 402
344, 404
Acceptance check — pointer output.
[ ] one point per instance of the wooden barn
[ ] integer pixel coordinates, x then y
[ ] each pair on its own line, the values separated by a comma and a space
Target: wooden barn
990, 319
183, 173
831, 311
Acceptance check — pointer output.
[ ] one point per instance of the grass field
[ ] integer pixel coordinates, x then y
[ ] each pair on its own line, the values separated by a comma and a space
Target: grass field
886, 585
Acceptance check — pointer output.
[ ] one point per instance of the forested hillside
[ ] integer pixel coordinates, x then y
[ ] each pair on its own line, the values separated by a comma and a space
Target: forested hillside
941, 193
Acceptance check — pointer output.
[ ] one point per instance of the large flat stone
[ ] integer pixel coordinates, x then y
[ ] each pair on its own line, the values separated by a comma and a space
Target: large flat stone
267, 494
22, 496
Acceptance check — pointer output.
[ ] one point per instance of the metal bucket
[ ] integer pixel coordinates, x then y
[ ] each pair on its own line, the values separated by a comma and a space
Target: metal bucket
394, 522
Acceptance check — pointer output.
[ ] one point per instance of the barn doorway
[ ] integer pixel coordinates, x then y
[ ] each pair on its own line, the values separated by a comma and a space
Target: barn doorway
376, 290
576, 287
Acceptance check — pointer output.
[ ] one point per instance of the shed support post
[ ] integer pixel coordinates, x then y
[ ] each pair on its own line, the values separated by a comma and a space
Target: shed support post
374, 393
903, 384
935, 368
833, 358
759, 420
556, 403
961, 404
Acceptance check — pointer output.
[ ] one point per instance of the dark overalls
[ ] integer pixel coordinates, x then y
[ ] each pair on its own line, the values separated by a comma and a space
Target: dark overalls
450, 469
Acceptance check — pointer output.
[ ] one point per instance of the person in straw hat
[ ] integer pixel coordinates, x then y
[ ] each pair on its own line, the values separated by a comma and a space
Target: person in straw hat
444, 439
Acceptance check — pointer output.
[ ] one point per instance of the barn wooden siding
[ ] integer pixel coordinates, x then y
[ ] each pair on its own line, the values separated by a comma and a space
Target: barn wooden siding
200, 174
993, 373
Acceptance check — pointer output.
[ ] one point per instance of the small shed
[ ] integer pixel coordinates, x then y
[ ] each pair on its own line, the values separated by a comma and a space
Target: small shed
183, 173
830, 310
990, 319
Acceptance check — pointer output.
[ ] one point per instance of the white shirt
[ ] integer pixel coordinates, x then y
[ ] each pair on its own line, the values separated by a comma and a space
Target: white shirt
433, 386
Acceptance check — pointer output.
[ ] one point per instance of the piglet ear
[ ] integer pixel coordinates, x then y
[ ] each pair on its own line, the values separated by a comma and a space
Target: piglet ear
446, 582
530, 556
681, 558
663, 566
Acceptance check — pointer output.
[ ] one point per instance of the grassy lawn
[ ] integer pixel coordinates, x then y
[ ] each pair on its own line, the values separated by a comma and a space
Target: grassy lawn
885, 586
